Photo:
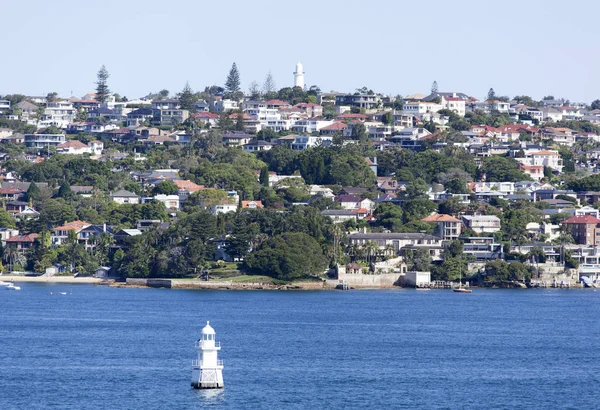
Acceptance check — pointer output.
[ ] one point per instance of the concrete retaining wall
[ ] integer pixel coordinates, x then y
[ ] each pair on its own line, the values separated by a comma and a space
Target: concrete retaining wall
384, 280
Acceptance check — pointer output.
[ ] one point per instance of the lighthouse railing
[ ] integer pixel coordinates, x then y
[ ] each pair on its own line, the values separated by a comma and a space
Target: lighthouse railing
198, 363
199, 344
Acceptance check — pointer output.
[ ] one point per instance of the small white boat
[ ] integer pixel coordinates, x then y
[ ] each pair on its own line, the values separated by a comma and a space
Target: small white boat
2, 283
63, 293
11, 286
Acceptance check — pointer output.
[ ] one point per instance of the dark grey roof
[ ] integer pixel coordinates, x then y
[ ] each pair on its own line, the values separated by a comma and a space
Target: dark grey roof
123, 193
337, 212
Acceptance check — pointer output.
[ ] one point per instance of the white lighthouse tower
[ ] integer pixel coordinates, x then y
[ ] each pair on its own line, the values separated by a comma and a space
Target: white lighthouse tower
299, 76
207, 371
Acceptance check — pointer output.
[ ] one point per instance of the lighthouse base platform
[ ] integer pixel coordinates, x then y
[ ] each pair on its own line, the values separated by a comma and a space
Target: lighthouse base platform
207, 379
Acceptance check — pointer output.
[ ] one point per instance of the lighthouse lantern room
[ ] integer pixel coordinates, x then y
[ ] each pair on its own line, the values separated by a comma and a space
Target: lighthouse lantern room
207, 370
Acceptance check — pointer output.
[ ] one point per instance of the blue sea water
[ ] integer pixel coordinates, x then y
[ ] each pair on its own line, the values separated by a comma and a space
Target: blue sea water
116, 348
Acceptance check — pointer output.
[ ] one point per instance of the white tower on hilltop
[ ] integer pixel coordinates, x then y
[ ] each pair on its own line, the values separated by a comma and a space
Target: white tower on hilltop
207, 371
299, 76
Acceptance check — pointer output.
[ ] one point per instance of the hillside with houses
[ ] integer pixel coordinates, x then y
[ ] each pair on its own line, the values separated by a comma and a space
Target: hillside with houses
301, 184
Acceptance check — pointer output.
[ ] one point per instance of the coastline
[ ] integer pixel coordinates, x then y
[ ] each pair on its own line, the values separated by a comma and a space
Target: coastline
53, 279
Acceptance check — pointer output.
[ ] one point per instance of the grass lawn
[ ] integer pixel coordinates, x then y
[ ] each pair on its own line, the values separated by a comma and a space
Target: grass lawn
248, 278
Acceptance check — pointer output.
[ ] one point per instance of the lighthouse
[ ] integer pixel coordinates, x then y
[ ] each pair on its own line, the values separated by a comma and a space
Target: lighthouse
207, 370
299, 76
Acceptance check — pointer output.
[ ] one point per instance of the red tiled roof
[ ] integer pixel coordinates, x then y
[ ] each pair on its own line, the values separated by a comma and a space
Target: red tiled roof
75, 225
336, 126
246, 204
440, 218
583, 219
23, 238
276, 102
545, 152
72, 144
189, 186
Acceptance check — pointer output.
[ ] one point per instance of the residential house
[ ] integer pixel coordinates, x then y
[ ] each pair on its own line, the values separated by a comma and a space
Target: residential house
123, 237
125, 197
482, 223
447, 227
536, 172
336, 128
400, 242
4, 106
58, 113
12, 193
73, 147
21, 242
482, 249
258, 145
237, 139
28, 110
310, 125
340, 215
311, 109
302, 142
585, 230
170, 201
43, 140
366, 101
411, 138
419, 108
60, 234
544, 158
139, 117
354, 202
6, 233
209, 118
16, 207
224, 206
252, 205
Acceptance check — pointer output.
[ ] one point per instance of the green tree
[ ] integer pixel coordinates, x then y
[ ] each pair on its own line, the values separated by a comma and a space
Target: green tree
187, 98
33, 192
269, 86
264, 176
65, 191
359, 133
6, 219
595, 105
232, 83
102, 90
287, 257
165, 187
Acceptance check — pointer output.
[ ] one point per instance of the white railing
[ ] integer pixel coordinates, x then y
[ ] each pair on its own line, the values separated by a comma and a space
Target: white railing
198, 363
199, 344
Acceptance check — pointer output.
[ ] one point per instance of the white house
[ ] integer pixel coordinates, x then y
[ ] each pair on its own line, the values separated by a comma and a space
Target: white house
125, 197
170, 201
43, 140
482, 223
545, 158
302, 142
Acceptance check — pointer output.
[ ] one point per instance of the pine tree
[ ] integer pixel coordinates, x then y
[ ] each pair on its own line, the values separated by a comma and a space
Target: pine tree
239, 122
264, 177
491, 95
434, 87
65, 190
269, 85
187, 99
102, 91
232, 84
33, 192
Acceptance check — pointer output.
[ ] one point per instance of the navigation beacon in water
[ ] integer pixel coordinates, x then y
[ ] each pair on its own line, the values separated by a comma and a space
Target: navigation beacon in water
207, 371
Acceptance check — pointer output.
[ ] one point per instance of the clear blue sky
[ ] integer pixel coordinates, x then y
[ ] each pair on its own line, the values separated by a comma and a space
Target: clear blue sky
534, 47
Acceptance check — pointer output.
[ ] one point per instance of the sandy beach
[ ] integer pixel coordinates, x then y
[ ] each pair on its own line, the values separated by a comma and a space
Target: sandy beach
52, 279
